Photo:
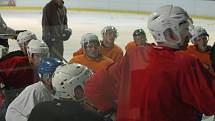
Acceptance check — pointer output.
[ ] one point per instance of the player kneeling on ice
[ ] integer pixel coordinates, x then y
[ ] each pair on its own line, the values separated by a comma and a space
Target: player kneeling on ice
70, 104
157, 83
19, 71
92, 56
41, 91
23, 39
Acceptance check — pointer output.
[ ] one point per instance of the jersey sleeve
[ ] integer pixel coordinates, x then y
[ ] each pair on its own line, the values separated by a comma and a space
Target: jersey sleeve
197, 87
102, 88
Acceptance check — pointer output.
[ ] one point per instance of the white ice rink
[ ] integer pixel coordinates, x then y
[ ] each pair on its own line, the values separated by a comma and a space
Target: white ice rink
84, 22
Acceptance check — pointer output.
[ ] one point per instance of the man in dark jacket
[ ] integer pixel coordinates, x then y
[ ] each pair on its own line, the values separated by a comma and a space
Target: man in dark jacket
55, 29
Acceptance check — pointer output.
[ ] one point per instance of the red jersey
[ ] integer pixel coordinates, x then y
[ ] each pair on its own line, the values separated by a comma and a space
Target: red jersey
16, 71
152, 83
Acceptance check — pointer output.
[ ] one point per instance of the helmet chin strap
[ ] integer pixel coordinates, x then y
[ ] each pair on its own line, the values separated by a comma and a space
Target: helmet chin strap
202, 48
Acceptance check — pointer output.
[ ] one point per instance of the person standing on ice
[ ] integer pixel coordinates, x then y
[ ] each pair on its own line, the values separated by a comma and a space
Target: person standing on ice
55, 28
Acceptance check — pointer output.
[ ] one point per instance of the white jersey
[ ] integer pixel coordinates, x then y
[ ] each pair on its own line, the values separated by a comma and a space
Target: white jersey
208, 118
20, 108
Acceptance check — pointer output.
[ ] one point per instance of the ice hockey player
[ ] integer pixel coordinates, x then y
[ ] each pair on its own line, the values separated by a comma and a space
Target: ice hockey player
155, 83
19, 71
69, 103
20, 108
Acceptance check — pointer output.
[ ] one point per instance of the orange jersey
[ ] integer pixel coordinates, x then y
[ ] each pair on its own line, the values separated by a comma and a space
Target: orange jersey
78, 52
204, 57
114, 53
94, 65
131, 44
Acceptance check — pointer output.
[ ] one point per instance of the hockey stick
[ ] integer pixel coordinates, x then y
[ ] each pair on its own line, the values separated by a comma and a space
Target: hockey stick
59, 55
12, 36
6, 36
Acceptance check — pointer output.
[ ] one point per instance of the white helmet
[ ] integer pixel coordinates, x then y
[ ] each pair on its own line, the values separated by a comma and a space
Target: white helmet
3, 51
110, 28
67, 77
37, 46
24, 37
165, 18
196, 32
88, 37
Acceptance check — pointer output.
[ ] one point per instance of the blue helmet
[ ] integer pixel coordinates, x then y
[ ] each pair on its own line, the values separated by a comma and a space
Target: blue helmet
47, 67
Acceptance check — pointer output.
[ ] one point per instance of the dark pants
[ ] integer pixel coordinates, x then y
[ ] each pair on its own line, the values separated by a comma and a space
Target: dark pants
10, 95
56, 48
4, 42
